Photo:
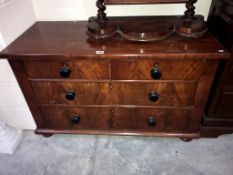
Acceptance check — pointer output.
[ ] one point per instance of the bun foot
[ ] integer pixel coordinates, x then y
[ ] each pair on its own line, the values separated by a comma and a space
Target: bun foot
186, 139
47, 135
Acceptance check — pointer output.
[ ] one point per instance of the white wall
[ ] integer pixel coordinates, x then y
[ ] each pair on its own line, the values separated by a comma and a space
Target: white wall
15, 17
82, 9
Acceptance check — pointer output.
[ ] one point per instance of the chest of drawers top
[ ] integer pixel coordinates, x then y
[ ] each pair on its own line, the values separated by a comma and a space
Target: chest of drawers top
68, 40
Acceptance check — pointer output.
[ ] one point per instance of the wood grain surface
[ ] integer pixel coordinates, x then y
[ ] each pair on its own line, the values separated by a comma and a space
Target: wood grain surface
116, 118
170, 94
112, 81
68, 41
171, 70
90, 70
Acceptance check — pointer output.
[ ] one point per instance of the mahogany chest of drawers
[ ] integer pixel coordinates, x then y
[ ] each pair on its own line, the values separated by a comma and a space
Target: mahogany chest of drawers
73, 85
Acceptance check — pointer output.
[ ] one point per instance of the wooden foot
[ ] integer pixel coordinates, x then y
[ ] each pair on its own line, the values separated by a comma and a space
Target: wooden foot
47, 135
186, 139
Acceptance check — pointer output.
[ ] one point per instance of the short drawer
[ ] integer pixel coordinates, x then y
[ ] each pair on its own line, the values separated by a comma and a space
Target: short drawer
157, 70
145, 94
89, 70
116, 118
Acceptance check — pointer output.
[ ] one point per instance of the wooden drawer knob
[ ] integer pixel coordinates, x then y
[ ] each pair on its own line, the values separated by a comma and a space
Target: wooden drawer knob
151, 121
65, 72
156, 72
75, 119
70, 95
153, 96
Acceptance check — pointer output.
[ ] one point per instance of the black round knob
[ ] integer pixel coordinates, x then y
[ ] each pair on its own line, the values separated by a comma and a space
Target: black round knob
151, 121
70, 95
156, 73
65, 72
75, 119
153, 96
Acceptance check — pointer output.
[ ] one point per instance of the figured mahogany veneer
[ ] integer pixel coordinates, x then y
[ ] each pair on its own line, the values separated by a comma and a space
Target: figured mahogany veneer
170, 94
75, 85
170, 70
120, 70
67, 41
116, 118
83, 70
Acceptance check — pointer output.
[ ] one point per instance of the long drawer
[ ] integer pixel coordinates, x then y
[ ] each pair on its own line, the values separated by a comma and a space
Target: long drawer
116, 118
130, 93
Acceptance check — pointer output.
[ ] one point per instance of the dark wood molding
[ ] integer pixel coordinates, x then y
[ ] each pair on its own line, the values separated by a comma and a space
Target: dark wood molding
219, 113
120, 132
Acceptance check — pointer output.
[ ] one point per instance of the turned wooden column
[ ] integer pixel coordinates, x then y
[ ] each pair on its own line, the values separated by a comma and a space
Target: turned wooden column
190, 12
101, 15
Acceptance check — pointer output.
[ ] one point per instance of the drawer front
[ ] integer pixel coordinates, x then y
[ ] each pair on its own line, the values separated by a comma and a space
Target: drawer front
225, 105
152, 70
89, 70
230, 78
116, 118
149, 94
62, 93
